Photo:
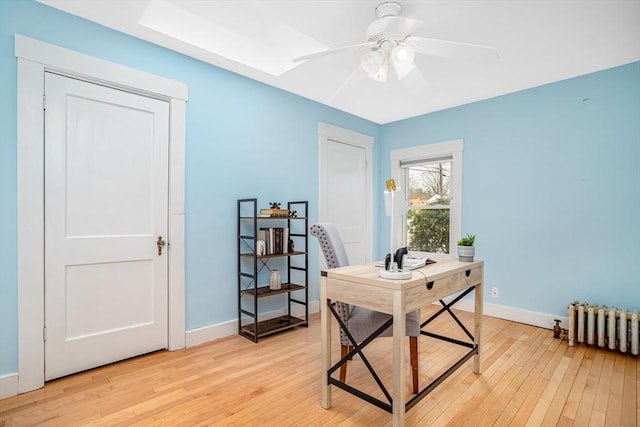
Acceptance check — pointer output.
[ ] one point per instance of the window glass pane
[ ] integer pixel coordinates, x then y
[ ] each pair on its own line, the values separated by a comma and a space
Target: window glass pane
428, 221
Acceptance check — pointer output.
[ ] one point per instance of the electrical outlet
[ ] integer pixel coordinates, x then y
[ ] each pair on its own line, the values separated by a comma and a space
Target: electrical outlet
495, 292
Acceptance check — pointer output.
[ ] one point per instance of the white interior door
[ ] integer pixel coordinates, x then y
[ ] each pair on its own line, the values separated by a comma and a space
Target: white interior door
345, 205
106, 191
345, 193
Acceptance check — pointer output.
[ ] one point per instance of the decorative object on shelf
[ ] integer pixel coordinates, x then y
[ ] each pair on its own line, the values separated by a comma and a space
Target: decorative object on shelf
261, 248
466, 250
274, 205
395, 204
275, 283
293, 214
292, 246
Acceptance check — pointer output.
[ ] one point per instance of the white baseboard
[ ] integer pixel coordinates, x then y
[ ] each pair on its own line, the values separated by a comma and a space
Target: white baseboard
534, 318
225, 329
542, 320
8, 385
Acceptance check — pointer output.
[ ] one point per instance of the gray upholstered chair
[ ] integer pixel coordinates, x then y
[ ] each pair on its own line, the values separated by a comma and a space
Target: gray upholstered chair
361, 322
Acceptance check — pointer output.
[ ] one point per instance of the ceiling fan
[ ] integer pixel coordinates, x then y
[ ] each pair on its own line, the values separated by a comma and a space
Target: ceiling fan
390, 47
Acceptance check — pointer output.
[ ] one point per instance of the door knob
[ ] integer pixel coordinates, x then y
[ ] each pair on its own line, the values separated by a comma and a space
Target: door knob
160, 243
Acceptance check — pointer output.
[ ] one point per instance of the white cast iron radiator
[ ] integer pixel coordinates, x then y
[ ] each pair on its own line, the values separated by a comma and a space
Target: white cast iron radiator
604, 327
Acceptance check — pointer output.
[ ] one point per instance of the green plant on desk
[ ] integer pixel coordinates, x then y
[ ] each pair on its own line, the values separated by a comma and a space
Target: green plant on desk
466, 250
467, 240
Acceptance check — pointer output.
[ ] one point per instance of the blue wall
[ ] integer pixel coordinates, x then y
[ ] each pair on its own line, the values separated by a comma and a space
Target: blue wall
551, 188
244, 139
551, 176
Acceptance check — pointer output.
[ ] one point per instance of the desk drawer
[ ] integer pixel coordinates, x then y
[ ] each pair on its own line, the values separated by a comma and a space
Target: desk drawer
437, 289
474, 277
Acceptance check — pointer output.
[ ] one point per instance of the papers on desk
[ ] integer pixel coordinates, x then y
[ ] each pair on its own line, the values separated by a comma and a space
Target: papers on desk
410, 262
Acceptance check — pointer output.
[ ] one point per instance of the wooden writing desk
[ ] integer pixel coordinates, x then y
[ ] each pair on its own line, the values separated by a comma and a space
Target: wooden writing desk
360, 285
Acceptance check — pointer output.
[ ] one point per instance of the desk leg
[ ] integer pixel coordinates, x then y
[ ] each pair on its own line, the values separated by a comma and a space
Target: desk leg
325, 338
399, 332
479, 295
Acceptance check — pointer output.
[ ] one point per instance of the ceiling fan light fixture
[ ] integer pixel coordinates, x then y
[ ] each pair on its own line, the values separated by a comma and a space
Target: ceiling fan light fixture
380, 75
402, 57
402, 54
373, 61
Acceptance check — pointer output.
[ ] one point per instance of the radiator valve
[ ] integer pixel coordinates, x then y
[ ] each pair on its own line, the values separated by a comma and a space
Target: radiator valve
557, 330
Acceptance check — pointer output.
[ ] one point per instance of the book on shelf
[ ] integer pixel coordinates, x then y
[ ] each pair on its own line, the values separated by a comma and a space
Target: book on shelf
276, 239
274, 213
285, 241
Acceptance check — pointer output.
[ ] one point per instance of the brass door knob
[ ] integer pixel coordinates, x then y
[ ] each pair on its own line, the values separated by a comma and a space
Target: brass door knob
160, 243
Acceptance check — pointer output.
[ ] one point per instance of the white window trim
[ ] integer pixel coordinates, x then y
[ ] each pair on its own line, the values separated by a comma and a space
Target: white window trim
34, 59
452, 148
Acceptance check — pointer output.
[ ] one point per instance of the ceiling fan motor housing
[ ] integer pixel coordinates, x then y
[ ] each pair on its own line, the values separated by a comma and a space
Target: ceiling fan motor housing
388, 8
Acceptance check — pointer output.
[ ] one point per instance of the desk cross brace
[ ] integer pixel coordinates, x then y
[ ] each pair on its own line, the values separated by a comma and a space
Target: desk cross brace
472, 345
447, 307
357, 349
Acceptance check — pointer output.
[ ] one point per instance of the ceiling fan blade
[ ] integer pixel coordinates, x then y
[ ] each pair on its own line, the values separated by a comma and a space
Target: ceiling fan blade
356, 74
415, 82
455, 50
332, 51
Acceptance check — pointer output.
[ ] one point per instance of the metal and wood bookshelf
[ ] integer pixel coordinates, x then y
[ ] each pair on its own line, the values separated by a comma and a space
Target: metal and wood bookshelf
254, 270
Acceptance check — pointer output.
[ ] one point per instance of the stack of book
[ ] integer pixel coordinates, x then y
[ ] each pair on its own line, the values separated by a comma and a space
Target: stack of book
276, 239
274, 213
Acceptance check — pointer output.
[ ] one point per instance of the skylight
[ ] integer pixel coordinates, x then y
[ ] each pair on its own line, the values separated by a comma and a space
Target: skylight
268, 46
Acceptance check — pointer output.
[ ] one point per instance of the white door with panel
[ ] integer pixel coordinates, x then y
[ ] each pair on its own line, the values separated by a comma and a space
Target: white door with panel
106, 204
345, 199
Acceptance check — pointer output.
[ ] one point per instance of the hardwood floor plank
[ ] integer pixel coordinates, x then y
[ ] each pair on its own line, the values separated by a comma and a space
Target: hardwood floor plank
526, 414
546, 398
523, 381
614, 404
496, 379
630, 393
599, 409
583, 413
575, 394
552, 416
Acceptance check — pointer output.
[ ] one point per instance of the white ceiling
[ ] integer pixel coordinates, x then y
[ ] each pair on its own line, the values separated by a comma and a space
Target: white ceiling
540, 41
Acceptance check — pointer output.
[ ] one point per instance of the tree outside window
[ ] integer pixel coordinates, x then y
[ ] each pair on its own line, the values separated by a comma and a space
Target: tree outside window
428, 221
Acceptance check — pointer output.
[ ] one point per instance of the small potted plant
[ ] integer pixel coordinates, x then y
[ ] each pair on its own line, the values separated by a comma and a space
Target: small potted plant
466, 250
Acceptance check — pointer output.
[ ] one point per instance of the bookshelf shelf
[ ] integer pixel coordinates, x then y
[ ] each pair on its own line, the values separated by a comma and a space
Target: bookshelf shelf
265, 291
250, 255
272, 326
254, 269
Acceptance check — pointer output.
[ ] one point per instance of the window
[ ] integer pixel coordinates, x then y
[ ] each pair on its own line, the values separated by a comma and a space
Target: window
431, 176
429, 195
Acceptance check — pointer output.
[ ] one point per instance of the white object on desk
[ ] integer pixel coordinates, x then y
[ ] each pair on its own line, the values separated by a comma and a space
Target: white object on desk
395, 204
409, 262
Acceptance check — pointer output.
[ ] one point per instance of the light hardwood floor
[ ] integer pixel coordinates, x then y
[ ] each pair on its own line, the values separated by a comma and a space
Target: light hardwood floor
529, 379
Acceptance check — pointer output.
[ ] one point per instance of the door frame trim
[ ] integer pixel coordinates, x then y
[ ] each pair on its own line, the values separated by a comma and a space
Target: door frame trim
327, 132
34, 58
